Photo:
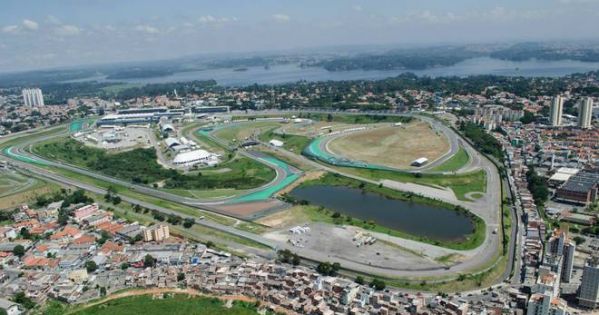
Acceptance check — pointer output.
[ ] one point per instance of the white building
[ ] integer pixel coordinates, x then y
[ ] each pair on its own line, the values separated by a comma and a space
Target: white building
419, 162
585, 113
557, 107
33, 98
588, 293
195, 157
276, 143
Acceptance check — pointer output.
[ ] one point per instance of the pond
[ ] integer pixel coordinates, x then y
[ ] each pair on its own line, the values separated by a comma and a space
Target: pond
432, 222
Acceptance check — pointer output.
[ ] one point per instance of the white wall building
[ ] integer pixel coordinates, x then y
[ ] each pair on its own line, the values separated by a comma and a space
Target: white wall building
557, 108
585, 113
33, 98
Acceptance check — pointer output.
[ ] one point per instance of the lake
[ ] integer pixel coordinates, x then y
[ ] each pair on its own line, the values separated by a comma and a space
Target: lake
420, 220
279, 74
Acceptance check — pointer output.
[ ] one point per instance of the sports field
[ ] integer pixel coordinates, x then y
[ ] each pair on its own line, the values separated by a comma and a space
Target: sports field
392, 146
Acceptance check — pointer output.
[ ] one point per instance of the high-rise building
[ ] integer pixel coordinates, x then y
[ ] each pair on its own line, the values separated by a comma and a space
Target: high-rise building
585, 113
569, 250
588, 292
555, 245
557, 107
33, 97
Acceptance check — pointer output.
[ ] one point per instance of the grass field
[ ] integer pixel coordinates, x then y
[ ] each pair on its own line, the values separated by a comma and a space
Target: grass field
12, 182
293, 143
173, 304
238, 132
461, 184
17, 188
392, 146
455, 163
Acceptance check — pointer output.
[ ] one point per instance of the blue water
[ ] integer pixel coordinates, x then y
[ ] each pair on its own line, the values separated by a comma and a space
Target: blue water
292, 73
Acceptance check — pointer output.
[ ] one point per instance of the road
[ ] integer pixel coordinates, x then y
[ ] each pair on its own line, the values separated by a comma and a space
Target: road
487, 207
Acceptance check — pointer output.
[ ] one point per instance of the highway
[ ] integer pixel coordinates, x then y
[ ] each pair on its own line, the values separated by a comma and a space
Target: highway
488, 208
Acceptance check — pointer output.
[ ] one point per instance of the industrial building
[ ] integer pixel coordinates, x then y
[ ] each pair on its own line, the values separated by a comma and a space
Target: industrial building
139, 116
210, 109
192, 158
562, 175
580, 188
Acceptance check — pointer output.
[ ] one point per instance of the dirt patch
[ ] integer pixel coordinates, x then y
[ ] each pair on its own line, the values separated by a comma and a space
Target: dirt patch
289, 217
393, 146
17, 199
307, 176
249, 209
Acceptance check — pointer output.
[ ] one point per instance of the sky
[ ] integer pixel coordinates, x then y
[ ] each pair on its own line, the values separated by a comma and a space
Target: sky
39, 34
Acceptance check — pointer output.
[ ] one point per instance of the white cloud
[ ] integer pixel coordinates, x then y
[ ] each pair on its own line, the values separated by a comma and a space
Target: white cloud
279, 17
30, 25
357, 8
147, 29
67, 30
209, 19
53, 20
10, 29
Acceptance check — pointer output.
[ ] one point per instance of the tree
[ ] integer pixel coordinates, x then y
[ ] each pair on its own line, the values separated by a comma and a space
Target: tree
180, 276
91, 266
22, 299
19, 251
124, 266
527, 118
116, 200
296, 260
360, 280
25, 233
329, 117
188, 222
149, 261
378, 284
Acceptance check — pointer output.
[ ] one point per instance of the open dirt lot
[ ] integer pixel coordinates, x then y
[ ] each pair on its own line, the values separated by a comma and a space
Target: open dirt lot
393, 146
313, 129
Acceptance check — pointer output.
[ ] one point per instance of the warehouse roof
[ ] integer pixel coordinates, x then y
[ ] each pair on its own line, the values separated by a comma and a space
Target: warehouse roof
581, 182
170, 142
191, 156
563, 174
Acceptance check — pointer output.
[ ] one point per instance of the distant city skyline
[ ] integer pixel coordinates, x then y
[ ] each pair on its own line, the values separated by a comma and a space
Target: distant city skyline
44, 34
